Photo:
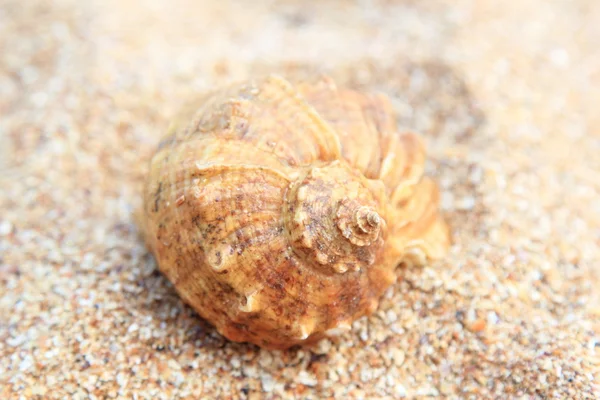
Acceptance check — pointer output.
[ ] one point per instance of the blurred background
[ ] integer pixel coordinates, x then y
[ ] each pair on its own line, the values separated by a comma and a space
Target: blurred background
139, 54
505, 93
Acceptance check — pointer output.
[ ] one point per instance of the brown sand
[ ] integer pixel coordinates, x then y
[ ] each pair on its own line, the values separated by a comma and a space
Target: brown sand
505, 93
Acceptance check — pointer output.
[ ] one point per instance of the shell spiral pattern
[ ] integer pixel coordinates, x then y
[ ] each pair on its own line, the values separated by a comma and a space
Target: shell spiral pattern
279, 211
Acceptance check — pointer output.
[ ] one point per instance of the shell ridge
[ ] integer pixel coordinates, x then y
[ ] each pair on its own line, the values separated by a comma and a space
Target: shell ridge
330, 139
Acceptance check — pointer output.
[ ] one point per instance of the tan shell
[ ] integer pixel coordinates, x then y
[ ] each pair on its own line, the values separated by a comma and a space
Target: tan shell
280, 211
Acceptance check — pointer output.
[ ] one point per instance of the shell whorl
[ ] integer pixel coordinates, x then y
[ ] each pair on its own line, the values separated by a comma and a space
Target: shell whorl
280, 211
334, 219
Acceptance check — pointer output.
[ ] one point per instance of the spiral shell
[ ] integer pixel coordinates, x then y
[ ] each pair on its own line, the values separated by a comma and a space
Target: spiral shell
280, 211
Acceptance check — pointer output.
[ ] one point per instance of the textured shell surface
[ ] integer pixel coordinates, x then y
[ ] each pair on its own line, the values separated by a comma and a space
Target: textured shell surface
280, 211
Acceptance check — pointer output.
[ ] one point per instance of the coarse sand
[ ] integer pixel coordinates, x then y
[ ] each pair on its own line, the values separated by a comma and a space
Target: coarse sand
506, 95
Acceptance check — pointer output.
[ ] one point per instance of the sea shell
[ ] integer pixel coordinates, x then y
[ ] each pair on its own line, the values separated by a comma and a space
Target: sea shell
280, 211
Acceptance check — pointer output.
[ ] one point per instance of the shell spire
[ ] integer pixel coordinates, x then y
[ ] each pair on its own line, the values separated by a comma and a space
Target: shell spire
280, 211
326, 219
